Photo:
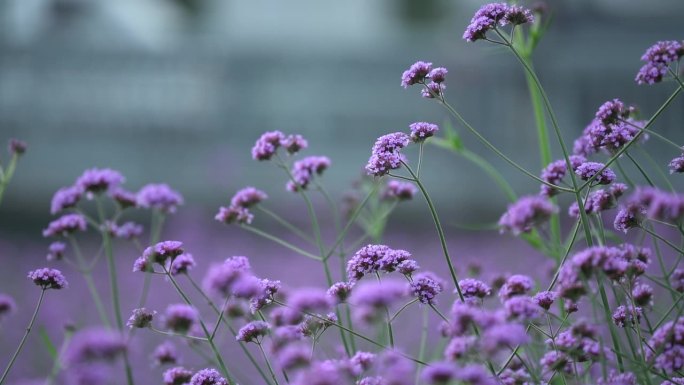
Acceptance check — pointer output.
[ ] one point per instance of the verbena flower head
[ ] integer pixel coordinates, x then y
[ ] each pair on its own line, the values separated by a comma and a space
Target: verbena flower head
667, 344
294, 143
386, 155
163, 251
628, 217
182, 264
516, 285
304, 170
676, 165
399, 190
307, 301
267, 291
180, 318
7, 305
588, 169
234, 214
521, 308
616, 378
439, 373
438, 75
395, 369
627, 315
370, 299
525, 213
208, 377
159, 197
422, 130
16, 146
267, 145
65, 225
48, 278
397, 260
340, 291
599, 200
124, 198
426, 286
221, 279
432, 90
555, 171
475, 375
365, 261
96, 180
474, 288
415, 74
94, 345
544, 299
658, 58
642, 294
177, 376
489, 15
128, 230
141, 318
248, 197
56, 251
658, 204
165, 354
517, 15
253, 331
65, 198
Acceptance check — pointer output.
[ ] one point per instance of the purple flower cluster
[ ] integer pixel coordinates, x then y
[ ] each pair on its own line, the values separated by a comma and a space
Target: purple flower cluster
16, 146
238, 211
48, 278
426, 286
65, 225
253, 331
599, 200
490, 15
386, 155
141, 318
676, 165
97, 180
371, 299
180, 318
598, 171
375, 258
525, 213
268, 143
666, 347
165, 354
555, 171
208, 377
159, 197
658, 58
399, 190
304, 170
422, 130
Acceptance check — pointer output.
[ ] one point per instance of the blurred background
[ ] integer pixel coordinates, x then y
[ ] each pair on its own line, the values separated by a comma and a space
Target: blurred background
177, 91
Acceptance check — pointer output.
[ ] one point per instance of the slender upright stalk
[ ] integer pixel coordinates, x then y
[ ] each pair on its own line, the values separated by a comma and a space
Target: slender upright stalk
268, 363
23, 339
88, 277
6, 175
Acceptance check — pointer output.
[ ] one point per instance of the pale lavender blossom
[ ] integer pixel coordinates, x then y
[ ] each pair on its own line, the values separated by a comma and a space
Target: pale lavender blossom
141, 318
65, 197
422, 130
48, 278
676, 165
65, 225
253, 331
208, 377
400, 191
177, 376
56, 251
7, 305
165, 354
159, 197
182, 264
97, 180
525, 213
304, 170
267, 145
386, 155
180, 318
426, 286
416, 73
248, 197
587, 171
94, 345
234, 214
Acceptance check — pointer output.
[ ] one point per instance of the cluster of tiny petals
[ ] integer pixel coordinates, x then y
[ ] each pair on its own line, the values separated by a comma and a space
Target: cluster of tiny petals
555, 171
544, 299
399, 190
48, 278
163, 251
268, 143
94, 345
676, 165
489, 15
386, 155
99, 180
658, 58
159, 196
340, 291
374, 258
426, 286
668, 343
627, 315
182, 264
304, 170
234, 214
599, 200
141, 318
208, 377
177, 376
65, 198
252, 331
521, 308
248, 197
422, 130
370, 299
56, 251
123, 197
657, 204
416, 73
165, 354
65, 225
526, 213
516, 285
473, 288
180, 317
587, 171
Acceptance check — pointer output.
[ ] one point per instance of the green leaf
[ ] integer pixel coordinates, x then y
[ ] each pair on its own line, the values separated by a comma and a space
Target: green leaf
49, 346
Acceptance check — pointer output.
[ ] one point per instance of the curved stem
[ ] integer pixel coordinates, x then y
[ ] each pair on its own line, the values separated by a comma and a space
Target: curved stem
641, 170
285, 224
23, 339
280, 242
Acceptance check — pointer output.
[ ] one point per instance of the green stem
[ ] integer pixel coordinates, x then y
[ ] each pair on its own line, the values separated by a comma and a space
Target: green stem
87, 276
280, 242
23, 339
7, 175
654, 234
285, 224
641, 170
155, 233
268, 363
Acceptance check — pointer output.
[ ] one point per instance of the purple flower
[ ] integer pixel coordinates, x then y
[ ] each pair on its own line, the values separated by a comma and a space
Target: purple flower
615, 378
642, 294
517, 15
221, 279
394, 260
426, 286
527, 212
159, 197
234, 214
141, 264
624, 315
208, 377
65, 225
180, 318
48, 278
372, 298
65, 198
16, 146
415, 74
304, 170
399, 190
432, 90
308, 301
56, 251
521, 308
7, 305
267, 145
141, 318
544, 299
340, 291
503, 336
294, 143
473, 288
97, 180
666, 346
587, 170
293, 356
516, 285
362, 361
94, 345
123, 197
252, 331
658, 57
177, 376
128, 230
163, 251
386, 155
554, 360
365, 261
248, 197
629, 217
267, 290
438, 75
474, 375
599, 200
165, 354
182, 264
677, 280
676, 165
458, 347
660, 205
395, 369
555, 171
422, 130
612, 111
478, 28
439, 373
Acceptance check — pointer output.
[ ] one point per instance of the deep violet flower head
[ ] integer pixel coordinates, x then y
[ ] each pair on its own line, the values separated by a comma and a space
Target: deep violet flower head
65, 225
304, 170
555, 171
182, 264
426, 286
628, 217
267, 291
438, 75
422, 130
439, 373
489, 15
94, 345
340, 291
48, 278
386, 155
627, 315
253, 331
667, 343
141, 318
159, 197
677, 280
65, 198
544, 299
180, 318
177, 376
365, 261
658, 204
525, 213
474, 289
208, 377
587, 171
370, 299
234, 214
163, 251
416, 73
221, 279
267, 145
294, 143
248, 197
56, 251
165, 354
676, 165
521, 308
642, 294
7, 305
658, 58
400, 191
16, 146
516, 285
599, 200
98, 180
